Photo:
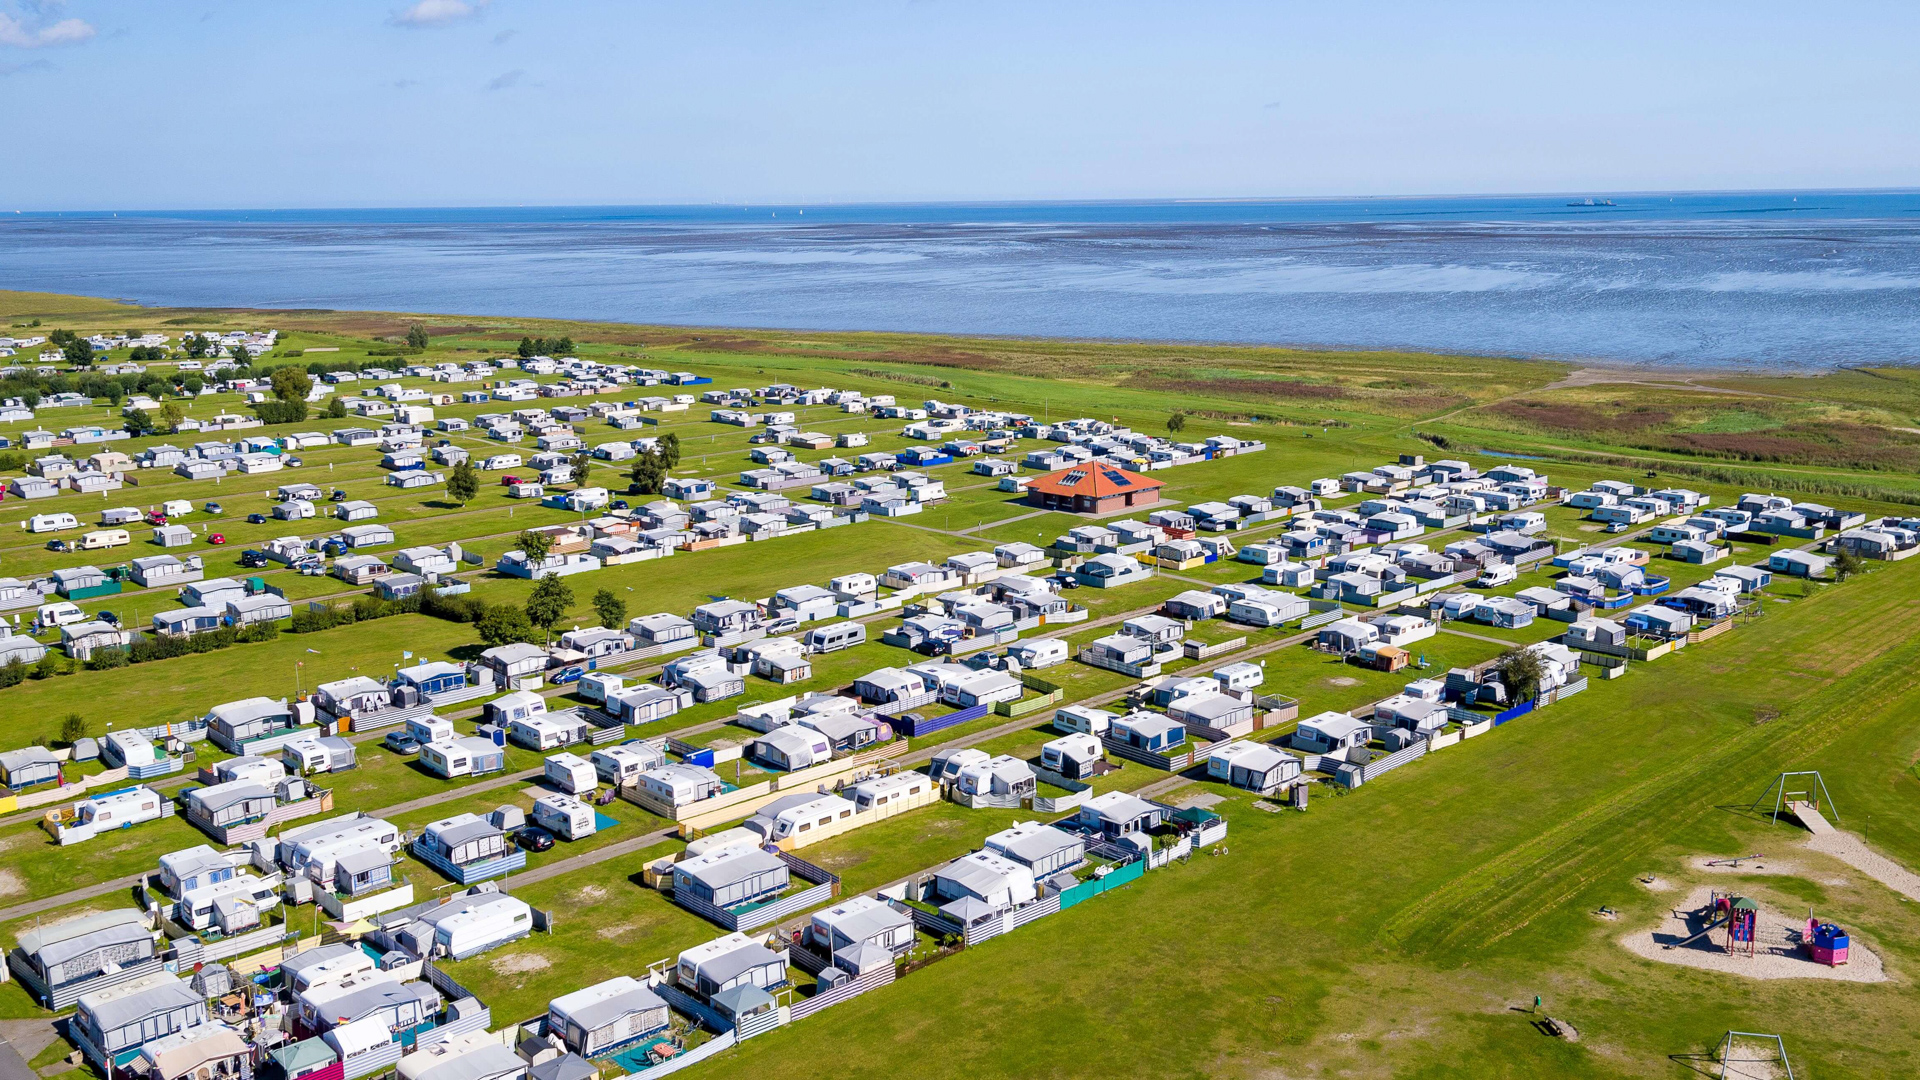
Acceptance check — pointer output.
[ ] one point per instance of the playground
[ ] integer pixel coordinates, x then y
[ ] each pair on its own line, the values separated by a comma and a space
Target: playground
1764, 944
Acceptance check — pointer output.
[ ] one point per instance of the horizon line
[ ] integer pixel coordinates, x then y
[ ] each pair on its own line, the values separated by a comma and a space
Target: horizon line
1163, 200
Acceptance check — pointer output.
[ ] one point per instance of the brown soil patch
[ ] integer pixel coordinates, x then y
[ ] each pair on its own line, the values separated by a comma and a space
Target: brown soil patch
1343, 680
1785, 867
1269, 389
1581, 419
10, 883
587, 894
929, 355
520, 963
840, 860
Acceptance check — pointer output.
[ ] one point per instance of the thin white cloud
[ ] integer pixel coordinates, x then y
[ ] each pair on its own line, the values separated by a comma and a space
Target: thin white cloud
506, 80
36, 33
425, 13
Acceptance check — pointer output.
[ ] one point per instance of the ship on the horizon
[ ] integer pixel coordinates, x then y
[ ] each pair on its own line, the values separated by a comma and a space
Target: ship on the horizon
1591, 202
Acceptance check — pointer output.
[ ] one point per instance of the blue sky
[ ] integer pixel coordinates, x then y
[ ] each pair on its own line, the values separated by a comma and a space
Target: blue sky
218, 104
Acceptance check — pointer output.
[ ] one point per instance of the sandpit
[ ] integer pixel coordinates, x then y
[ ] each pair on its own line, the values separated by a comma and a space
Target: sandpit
1343, 680
1656, 884
1778, 954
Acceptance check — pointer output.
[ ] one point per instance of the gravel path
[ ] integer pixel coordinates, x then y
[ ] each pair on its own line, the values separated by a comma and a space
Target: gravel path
1854, 851
1779, 955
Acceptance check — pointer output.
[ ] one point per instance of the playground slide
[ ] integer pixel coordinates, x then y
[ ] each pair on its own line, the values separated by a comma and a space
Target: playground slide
1810, 817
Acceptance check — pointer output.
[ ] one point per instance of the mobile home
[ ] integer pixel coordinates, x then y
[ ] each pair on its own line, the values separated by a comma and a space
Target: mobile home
468, 926
623, 764
564, 816
605, 1017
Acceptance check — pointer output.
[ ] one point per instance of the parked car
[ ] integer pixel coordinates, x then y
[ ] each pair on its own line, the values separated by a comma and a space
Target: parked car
212, 508
401, 743
59, 545
294, 463
311, 566
567, 675
782, 626
109, 618
256, 519
155, 517
334, 546
217, 538
534, 838
339, 495
1617, 527
620, 504
509, 480
253, 560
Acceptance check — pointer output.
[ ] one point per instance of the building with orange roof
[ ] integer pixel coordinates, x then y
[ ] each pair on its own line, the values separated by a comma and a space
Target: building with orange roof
1092, 488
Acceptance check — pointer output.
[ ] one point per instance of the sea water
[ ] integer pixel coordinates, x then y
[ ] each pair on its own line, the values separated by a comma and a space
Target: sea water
1793, 280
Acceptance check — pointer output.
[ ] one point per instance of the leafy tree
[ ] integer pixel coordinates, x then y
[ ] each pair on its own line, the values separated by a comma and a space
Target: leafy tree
503, 624
77, 351
197, 345
463, 484
337, 408
669, 448
417, 336
1177, 422
290, 383
582, 463
139, 423
526, 348
1847, 563
611, 610
1522, 670
281, 412
561, 346
73, 729
193, 383
536, 546
549, 603
648, 473
240, 355
170, 416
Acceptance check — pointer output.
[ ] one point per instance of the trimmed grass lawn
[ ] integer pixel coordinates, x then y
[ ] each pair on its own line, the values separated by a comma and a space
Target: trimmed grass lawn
186, 687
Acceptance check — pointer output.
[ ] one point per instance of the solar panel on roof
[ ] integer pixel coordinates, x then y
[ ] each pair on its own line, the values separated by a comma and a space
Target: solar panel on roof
1072, 478
1119, 478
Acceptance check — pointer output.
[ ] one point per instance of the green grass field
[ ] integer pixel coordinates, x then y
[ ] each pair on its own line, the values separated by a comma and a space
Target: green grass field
1390, 931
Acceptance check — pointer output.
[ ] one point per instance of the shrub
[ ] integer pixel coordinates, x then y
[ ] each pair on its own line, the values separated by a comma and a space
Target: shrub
107, 659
